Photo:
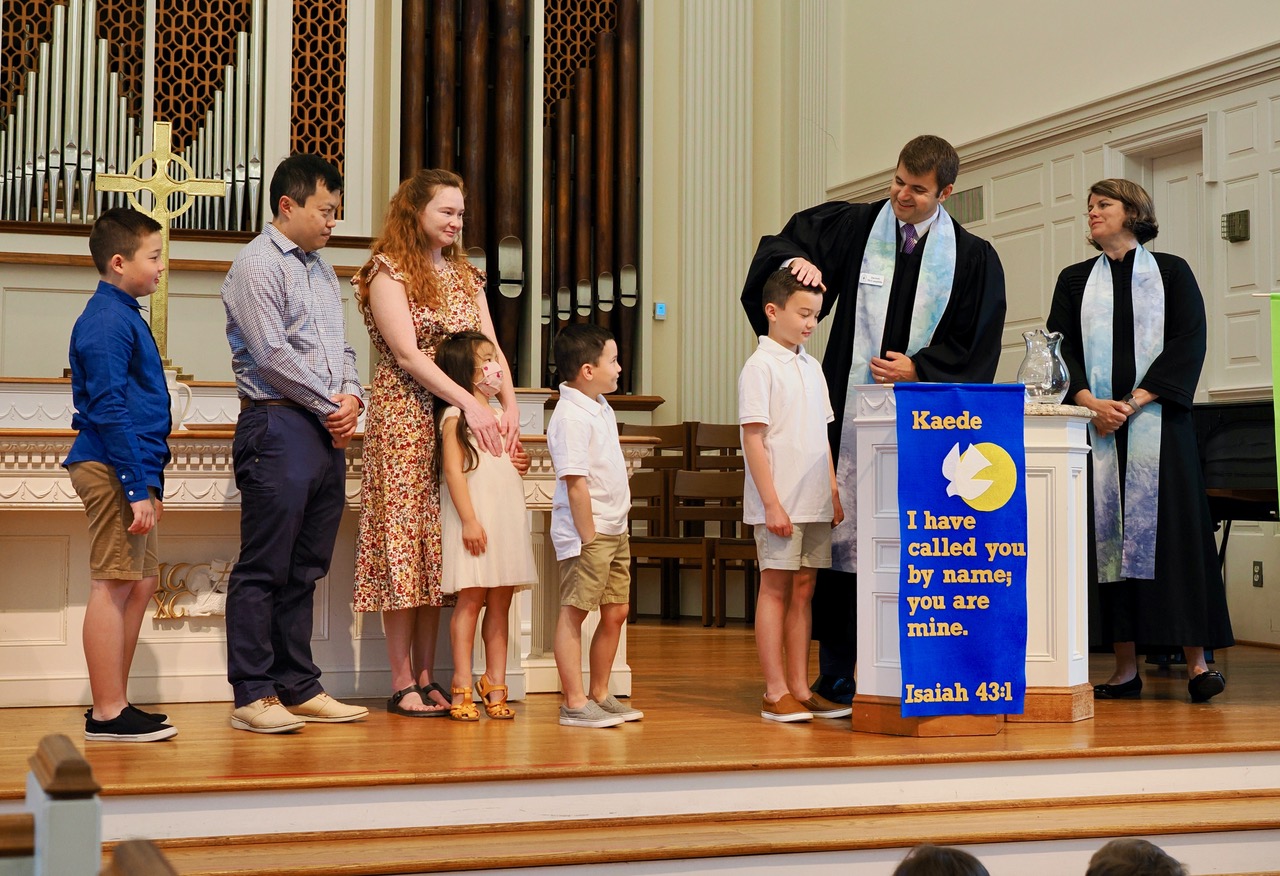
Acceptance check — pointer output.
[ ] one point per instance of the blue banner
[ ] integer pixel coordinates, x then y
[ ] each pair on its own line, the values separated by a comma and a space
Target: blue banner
962, 605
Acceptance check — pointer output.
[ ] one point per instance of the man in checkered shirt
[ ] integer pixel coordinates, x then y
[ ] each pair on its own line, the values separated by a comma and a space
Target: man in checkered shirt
300, 397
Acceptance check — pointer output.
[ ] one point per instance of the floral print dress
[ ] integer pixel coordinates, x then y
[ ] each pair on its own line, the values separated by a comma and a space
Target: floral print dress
398, 549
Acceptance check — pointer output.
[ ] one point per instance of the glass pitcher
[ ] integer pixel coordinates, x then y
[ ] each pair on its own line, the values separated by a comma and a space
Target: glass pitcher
1043, 371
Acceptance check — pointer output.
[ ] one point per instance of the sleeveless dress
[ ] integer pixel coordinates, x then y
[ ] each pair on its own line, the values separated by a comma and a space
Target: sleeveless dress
398, 548
497, 494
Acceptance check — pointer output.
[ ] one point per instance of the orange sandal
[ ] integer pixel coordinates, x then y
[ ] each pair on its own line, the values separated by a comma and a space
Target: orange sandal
465, 710
498, 709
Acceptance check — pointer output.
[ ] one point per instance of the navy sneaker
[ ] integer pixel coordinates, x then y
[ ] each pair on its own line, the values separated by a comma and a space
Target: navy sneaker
838, 689
158, 717
128, 726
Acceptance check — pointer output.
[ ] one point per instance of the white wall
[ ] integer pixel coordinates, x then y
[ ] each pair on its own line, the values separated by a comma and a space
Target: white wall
997, 64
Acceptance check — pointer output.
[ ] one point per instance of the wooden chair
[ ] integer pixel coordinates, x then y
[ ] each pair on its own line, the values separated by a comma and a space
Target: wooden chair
651, 508
717, 447
677, 544
669, 455
716, 497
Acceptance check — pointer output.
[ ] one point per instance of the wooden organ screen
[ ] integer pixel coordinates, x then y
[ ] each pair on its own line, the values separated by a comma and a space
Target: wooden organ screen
591, 173
73, 82
463, 107
320, 79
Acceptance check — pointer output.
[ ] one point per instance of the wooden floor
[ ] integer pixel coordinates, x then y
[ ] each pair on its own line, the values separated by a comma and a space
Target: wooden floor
701, 787
700, 691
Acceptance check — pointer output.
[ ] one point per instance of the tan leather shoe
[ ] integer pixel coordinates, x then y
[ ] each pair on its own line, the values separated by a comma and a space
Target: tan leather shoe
266, 715
786, 710
326, 710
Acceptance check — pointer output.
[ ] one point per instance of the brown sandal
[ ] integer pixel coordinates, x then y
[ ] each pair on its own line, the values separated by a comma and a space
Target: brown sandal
465, 710
498, 709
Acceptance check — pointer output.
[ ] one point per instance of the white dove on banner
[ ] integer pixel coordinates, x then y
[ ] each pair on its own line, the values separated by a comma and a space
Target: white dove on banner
959, 470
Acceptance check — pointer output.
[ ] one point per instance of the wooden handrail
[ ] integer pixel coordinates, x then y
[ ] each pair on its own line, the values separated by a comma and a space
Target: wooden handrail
61, 769
17, 835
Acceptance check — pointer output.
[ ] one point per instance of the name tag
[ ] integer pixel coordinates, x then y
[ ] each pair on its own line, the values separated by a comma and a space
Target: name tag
871, 279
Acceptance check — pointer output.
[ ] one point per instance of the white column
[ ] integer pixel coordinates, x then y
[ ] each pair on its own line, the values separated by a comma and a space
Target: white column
716, 212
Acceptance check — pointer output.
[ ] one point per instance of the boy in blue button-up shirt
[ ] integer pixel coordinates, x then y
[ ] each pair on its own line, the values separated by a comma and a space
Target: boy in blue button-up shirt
117, 464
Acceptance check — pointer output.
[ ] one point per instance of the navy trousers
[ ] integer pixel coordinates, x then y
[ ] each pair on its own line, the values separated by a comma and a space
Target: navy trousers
292, 493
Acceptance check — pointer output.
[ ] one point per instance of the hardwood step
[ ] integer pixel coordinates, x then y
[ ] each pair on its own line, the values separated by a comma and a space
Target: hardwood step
685, 838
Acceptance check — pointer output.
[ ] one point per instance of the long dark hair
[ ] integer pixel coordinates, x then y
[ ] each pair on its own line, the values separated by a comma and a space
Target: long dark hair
456, 357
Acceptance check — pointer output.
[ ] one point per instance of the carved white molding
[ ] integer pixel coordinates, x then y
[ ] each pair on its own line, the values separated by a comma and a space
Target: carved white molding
201, 475
46, 404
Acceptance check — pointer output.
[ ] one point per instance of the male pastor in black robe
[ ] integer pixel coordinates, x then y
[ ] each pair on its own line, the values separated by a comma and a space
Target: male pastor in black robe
826, 244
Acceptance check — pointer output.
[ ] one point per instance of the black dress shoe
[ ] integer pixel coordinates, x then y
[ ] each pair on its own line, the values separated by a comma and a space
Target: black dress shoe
838, 689
1124, 690
1206, 685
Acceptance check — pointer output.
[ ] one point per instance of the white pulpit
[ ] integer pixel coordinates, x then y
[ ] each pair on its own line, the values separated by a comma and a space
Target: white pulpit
1057, 666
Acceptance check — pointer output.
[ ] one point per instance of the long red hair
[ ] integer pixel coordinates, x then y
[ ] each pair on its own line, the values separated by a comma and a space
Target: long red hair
405, 243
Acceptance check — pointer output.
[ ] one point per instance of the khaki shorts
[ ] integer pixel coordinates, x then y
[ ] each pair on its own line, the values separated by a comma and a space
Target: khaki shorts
600, 575
808, 547
114, 553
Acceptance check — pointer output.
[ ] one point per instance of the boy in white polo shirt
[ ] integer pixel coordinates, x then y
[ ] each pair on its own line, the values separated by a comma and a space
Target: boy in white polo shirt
790, 493
589, 523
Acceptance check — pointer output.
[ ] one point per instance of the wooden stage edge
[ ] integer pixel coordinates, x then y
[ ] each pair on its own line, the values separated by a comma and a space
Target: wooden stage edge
700, 691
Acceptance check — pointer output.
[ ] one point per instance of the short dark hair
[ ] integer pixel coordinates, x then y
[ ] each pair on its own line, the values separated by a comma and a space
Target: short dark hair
578, 344
927, 860
1140, 212
929, 153
781, 285
118, 231
1133, 857
297, 177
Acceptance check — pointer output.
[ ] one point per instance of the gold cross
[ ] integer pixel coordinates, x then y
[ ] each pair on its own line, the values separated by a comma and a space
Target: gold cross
161, 185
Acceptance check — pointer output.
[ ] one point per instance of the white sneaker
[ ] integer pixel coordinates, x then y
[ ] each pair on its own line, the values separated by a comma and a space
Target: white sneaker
590, 715
611, 705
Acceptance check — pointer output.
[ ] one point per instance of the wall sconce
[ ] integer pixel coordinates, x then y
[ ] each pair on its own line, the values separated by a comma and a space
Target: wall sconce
1235, 226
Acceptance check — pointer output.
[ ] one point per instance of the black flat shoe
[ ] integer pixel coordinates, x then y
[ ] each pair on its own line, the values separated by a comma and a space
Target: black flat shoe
1124, 690
1206, 685
837, 689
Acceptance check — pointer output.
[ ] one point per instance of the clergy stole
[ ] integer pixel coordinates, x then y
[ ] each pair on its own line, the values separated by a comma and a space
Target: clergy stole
875, 285
1125, 530
1275, 366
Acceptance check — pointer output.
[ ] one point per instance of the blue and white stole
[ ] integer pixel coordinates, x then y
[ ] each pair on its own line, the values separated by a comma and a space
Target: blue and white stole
933, 293
1126, 540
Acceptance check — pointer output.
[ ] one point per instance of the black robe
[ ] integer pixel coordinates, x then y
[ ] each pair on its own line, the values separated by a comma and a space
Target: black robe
1186, 603
965, 347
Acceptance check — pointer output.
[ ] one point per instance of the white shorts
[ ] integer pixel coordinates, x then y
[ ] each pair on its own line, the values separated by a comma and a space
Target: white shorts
808, 547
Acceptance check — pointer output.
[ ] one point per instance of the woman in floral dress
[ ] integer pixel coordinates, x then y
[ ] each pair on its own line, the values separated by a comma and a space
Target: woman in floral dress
417, 288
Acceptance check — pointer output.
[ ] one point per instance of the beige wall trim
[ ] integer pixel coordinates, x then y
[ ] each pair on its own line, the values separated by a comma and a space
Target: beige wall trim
1193, 86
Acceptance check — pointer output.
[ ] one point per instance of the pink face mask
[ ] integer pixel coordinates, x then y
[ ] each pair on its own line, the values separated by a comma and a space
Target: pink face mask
491, 383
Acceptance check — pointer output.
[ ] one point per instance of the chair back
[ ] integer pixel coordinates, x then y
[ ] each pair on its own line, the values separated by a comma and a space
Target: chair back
709, 496
672, 450
717, 447
649, 503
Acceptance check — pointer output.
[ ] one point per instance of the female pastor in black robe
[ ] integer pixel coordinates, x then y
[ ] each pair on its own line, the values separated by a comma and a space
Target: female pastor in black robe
1185, 605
